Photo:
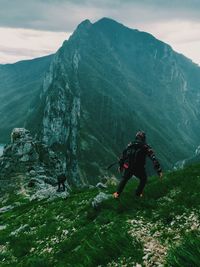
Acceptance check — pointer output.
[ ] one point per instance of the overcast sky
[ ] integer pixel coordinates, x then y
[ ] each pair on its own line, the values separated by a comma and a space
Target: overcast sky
33, 28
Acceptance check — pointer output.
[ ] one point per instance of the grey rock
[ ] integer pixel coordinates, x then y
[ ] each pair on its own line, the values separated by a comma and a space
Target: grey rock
32, 173
49, 192
50, 180
18, 230
2, 227
101, 186
6, 208
35, 182
42, 177
99, 199
41, 171
24, 158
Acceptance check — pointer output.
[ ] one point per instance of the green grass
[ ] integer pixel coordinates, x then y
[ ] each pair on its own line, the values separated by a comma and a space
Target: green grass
69, 232
187, 253
102, 245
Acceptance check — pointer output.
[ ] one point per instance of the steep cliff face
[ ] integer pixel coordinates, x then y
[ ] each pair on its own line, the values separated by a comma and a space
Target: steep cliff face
60, 123
106, 82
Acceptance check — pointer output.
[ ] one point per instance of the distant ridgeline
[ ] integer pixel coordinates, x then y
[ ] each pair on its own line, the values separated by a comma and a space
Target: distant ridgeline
103, 84
20, 83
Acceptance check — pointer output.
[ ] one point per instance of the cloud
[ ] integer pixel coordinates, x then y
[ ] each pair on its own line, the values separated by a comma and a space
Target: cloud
44, 15
23, 52
18, 44
176, 22
183, 36
64, 15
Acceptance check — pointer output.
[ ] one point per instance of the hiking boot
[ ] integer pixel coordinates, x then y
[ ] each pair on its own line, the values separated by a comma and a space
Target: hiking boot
116, 195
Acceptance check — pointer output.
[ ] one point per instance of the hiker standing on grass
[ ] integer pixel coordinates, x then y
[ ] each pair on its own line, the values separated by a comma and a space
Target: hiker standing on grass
132, 162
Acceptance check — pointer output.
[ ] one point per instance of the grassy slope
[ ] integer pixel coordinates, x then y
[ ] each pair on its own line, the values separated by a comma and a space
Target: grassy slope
70, 232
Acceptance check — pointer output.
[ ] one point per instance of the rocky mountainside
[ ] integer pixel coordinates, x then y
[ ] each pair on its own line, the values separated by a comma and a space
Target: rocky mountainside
25, 160
106, 82
81, 107
19, 85
161, 229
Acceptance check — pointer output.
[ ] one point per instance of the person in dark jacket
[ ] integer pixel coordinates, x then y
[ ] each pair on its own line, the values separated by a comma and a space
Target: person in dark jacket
61, 182
132, 162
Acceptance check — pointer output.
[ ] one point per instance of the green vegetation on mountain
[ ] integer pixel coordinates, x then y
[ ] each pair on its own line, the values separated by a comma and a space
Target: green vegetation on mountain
106, 82
161, 228
20, 83
187, 253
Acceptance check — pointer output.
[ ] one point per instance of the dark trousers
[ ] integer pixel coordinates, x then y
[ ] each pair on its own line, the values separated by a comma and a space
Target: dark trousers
140, 174
59, 186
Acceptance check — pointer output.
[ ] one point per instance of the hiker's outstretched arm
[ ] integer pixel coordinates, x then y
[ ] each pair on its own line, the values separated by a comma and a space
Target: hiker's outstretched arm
156, 164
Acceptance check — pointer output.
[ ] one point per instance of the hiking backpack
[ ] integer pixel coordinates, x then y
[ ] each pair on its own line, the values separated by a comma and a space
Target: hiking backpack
131, 156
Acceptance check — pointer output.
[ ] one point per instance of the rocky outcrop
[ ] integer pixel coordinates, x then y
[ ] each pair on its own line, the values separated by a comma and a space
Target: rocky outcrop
25, 155
48, 192
100, 199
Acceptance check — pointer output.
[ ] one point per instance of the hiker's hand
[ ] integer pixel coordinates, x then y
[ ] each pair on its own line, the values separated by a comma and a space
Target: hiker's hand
160, 175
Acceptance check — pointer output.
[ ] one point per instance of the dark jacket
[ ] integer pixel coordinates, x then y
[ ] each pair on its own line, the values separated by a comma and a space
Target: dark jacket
61, 178
134, 157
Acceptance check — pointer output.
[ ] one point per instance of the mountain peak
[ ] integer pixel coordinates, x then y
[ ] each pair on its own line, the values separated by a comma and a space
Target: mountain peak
82, 28
85, 24
107, 21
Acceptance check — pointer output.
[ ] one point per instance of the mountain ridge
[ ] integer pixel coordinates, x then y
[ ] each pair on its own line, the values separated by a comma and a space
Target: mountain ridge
103, 85
129, 72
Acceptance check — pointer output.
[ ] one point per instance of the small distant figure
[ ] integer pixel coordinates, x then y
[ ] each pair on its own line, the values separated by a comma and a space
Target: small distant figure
61, 182
132, 162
